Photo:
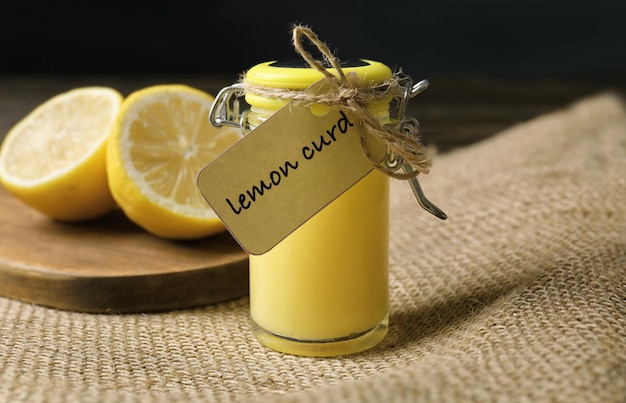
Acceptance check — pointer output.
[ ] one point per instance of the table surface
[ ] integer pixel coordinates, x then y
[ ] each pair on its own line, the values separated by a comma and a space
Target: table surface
453, 112
549, 326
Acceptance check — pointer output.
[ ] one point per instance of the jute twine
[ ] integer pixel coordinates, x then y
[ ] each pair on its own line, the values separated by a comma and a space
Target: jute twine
349, 92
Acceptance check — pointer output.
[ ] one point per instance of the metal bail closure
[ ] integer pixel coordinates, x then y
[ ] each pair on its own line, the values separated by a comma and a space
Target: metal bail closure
225, 108
410, 127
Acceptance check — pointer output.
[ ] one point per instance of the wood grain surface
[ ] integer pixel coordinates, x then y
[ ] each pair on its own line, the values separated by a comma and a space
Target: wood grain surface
112, 265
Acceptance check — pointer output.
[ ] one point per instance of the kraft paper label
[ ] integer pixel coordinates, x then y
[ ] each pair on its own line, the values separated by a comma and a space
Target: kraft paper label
286, 170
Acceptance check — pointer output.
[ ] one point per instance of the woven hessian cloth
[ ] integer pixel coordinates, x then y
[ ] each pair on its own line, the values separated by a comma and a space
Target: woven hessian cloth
519, 296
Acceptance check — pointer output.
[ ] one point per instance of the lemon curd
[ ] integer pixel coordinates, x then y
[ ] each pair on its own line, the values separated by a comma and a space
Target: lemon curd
323, 290
327, 282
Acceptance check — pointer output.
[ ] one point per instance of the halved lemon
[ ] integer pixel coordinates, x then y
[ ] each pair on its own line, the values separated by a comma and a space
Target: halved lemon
54, 158
161, 140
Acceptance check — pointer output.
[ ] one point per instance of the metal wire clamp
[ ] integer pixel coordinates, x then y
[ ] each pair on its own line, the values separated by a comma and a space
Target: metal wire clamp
410, 127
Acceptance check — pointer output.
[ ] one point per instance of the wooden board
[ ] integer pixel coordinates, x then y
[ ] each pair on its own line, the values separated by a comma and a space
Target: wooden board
112, 265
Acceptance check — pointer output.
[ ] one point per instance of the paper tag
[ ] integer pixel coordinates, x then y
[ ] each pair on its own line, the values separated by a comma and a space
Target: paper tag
286, 170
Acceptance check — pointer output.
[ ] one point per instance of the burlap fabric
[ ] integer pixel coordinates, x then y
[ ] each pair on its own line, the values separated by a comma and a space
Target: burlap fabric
519, 296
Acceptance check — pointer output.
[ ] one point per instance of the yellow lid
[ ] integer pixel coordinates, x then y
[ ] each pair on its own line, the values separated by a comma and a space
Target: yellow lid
292, 76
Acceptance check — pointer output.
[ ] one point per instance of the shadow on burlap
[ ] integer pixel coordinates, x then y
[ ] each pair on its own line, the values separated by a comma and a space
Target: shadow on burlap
519, 296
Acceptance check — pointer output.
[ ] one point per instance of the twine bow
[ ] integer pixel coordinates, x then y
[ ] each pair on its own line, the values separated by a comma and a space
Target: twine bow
348, 91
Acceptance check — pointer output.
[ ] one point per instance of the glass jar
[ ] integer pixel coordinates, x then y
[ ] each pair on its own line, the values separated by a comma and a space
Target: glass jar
324, 290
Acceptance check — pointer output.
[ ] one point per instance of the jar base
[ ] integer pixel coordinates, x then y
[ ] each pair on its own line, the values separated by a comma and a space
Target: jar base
323, 348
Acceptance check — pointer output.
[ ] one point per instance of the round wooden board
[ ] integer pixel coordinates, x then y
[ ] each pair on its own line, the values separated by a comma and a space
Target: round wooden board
111, 265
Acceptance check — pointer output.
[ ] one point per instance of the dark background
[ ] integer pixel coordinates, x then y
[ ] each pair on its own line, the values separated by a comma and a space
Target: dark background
456, 37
